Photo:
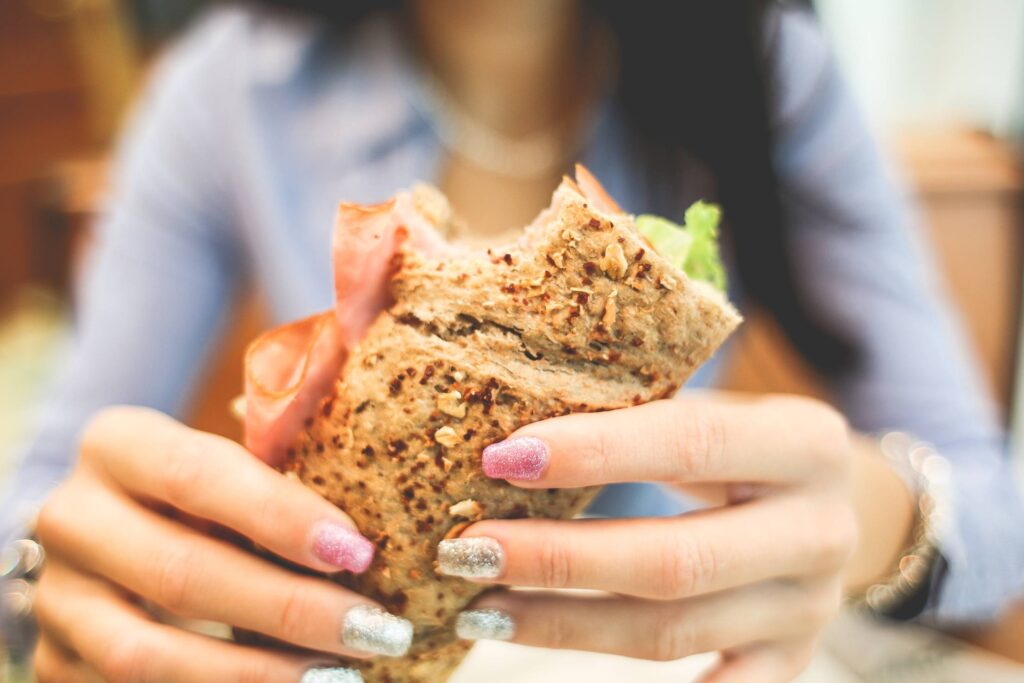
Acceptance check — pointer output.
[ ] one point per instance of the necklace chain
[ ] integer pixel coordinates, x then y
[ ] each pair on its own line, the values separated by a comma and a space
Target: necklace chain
463, 134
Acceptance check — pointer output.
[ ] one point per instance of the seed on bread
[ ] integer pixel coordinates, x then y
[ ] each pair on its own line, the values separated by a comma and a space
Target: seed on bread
614, 262
446, 436
450, 403
468, 508
610, 311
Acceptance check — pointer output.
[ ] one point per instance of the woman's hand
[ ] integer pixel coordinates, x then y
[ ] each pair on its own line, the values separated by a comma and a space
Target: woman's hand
756, 577
126, 527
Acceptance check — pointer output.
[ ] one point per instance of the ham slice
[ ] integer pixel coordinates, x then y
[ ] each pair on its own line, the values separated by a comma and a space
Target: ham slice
289, 369
595, 192
366, 239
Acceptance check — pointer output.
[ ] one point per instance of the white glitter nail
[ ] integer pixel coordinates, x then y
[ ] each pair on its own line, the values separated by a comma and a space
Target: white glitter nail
332, 674
371, 629
485, 624
478, 557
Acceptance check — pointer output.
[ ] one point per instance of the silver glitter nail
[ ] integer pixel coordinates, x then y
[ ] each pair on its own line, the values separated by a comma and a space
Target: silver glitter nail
478, 557
332, 674
371, 629
485, 624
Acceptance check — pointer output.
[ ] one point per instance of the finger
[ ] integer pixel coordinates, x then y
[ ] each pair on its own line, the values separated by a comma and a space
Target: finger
666, 558
195, 576
122, 644
216, 479
53, 664
674, 441
640, 628
762, 663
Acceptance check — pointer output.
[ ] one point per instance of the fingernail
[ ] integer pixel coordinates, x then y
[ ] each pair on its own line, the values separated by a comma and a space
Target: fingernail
331, 674
485, 624
342, 547
373, 630
478, 557
523, 458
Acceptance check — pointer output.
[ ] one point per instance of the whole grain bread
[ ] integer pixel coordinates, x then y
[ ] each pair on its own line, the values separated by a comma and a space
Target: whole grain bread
579, 315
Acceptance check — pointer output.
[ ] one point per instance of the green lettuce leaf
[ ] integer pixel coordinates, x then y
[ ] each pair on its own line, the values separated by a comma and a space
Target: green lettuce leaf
693, 247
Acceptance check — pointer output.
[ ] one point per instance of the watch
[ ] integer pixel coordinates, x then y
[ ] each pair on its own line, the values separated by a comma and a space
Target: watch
917, 576
21, 562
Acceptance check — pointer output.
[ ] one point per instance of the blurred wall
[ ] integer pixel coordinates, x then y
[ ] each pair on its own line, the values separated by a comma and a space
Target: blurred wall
933, 62
67, 68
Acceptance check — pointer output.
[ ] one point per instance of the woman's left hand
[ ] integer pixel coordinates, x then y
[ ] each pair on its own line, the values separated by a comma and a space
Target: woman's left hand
756, 577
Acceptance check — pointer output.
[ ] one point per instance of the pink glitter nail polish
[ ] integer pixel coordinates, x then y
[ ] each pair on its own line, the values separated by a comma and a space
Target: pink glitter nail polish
523, 458
342, 547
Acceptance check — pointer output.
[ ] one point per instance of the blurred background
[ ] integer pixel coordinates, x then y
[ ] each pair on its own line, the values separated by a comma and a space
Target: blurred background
941, 80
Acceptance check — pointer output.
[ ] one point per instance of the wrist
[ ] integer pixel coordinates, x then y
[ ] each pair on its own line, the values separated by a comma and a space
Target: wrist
885, 507
912, 577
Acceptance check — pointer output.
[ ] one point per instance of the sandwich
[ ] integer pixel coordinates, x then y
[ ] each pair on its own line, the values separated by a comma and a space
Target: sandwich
433, 351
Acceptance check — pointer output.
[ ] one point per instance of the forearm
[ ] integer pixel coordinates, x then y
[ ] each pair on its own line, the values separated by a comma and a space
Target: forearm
885, 514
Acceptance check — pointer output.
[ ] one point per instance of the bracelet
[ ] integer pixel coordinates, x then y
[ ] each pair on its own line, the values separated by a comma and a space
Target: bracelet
21, 563
928, 478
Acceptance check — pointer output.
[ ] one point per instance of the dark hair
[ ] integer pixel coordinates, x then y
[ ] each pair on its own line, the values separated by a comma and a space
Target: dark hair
704, 65
717, 107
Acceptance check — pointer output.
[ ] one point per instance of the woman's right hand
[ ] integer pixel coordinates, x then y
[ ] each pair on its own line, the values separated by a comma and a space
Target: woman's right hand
127, 527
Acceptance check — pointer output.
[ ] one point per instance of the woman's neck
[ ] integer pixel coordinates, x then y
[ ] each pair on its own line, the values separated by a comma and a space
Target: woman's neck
512, 65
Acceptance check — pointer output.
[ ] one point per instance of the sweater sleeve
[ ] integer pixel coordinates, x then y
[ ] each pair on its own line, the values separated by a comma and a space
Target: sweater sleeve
159, 273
